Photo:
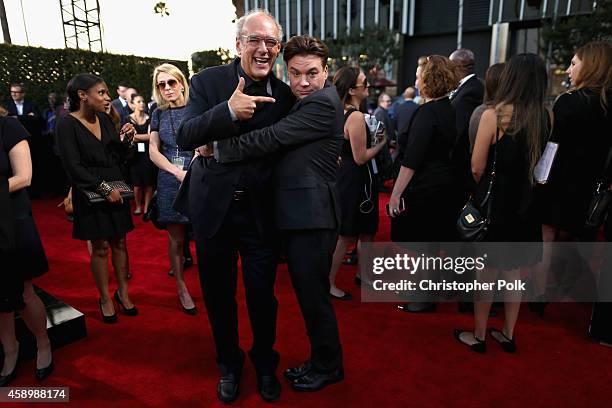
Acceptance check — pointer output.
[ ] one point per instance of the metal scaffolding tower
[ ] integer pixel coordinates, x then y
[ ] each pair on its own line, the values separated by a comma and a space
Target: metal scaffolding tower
81, 23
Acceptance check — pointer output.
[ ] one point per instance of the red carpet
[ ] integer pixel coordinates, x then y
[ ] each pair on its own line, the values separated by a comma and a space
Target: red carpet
166, 358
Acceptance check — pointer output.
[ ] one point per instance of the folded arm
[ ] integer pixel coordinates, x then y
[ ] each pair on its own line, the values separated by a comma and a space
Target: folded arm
312, 121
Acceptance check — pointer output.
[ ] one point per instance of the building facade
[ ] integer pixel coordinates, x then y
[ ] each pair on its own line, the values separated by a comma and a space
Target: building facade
493, 29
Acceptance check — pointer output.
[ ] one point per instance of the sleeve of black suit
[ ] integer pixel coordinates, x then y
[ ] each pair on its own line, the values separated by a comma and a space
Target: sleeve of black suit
311, 121
202, 123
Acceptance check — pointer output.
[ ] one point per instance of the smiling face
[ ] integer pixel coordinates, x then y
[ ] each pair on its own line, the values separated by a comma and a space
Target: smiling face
360, 90
170, 89
96, 98
574, 70
258, 46
306, 75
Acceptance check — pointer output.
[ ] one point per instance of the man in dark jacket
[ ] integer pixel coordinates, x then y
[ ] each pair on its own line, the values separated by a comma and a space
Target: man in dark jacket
230, 205
468, 95
306, 203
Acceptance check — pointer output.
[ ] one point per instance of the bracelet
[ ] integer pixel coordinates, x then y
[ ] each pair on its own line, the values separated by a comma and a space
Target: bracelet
104, 189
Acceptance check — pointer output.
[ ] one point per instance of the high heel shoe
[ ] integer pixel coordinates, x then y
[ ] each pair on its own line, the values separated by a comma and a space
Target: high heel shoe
479, 347
508, 345
191, 311
133, 311
42, 373
107, 319
6, 379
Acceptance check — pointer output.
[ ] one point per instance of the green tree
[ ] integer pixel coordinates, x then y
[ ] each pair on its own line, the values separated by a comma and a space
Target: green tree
210, 58
563, 36
161, 8
369, 48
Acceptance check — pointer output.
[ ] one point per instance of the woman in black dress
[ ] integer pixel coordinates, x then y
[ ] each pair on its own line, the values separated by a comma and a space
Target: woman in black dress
583, 120
516, 127
142, 170
93, 152
427, 181
357, 182
22, 256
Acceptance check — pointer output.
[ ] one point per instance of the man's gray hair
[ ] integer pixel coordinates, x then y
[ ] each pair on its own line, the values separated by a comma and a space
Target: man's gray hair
464, 58
242, 20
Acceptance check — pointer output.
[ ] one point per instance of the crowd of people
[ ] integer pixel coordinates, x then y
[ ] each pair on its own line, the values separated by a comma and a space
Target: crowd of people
248, 162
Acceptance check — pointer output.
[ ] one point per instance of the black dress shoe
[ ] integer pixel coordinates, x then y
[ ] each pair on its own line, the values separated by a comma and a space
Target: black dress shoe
128, 312
296, 372
228, 387
479, 347
107, 319
6, 379
417, 307
42, 373
508, 345
314, 381
269, 388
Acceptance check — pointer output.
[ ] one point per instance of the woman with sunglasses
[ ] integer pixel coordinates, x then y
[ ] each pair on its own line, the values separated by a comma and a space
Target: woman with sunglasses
171, 92
357, 182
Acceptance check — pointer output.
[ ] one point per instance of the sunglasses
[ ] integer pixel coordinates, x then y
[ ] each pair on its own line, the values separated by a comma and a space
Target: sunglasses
365, 84
172, 83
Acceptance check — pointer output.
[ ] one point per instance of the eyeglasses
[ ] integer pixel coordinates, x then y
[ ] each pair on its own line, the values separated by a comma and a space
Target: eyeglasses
253, 41
171, 82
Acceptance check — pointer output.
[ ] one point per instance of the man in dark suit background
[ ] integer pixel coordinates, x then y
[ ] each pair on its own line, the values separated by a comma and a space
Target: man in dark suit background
230, 205
18, 105
306, 203
403, 114
121, 102
468, 95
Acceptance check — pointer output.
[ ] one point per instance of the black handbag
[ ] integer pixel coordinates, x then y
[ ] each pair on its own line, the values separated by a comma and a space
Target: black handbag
473, 223
95, 198
600, 202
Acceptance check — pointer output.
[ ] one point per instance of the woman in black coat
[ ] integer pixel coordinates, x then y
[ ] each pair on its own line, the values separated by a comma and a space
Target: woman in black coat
93, 154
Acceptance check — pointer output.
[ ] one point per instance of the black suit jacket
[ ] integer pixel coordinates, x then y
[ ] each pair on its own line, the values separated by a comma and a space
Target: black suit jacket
123, 111
207, 118
403, 114
465, 100
28, 107
310, 139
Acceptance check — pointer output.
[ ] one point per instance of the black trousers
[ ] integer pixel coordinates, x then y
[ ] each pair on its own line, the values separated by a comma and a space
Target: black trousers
309, 258
217, 262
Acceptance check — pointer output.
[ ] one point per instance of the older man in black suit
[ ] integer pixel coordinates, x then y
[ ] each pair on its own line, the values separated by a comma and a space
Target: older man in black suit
307, 213
468, 95
230, 204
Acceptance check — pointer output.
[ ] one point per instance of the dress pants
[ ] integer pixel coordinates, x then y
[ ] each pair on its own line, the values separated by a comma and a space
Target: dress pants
309, 258
217, 262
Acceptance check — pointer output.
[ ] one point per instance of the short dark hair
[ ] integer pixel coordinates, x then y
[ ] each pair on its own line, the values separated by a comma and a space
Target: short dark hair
123, 83
136, 95
306, 45
80, 82
18, 85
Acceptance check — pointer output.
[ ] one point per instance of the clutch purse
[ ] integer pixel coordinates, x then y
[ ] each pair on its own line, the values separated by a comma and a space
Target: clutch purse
94, 197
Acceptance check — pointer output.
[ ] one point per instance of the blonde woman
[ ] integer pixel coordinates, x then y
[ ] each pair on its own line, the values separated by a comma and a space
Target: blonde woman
171, 92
